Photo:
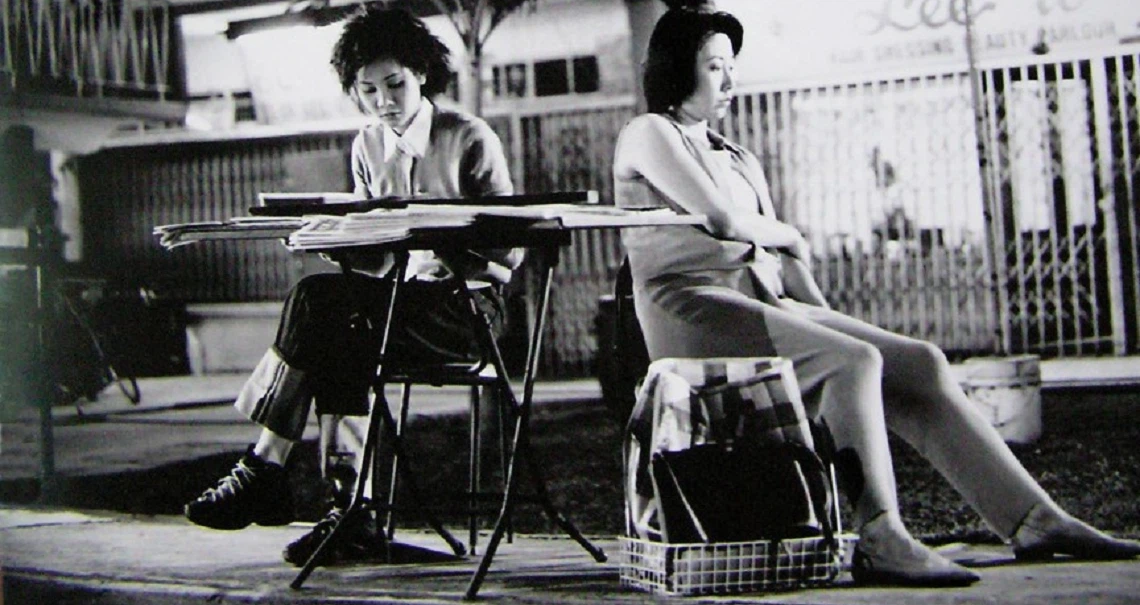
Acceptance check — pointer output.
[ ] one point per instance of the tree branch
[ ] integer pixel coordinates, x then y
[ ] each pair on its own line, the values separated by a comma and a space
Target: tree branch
447, 7
477, 23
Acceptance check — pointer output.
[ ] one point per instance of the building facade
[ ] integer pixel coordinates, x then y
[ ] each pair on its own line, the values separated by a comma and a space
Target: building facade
986, 201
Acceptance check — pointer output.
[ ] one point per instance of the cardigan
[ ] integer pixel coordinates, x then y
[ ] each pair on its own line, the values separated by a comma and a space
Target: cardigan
463, 158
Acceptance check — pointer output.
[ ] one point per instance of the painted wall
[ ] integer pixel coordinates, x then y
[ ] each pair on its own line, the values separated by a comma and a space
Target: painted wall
558, 29
785, 42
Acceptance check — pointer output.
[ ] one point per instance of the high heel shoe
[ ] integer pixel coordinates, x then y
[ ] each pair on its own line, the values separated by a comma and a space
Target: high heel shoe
887, 555
1046, 532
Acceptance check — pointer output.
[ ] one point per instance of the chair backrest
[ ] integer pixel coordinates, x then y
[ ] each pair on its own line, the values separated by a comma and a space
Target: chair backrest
627, 346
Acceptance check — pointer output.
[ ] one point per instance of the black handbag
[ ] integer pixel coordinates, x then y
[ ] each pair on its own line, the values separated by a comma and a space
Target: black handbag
721, 450
711, 493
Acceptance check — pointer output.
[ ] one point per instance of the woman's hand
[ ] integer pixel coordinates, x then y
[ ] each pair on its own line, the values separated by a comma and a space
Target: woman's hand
430, 269
799, 283
769, 233
800, 249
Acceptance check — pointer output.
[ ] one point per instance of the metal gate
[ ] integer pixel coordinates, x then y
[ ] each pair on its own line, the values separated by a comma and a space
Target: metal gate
562, 150
884, 178
1061, 139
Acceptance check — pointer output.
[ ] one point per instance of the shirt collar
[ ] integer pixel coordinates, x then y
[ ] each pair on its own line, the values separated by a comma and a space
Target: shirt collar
414, 141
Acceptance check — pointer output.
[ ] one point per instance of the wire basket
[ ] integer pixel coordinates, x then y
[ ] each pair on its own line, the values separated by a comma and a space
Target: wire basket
729, 567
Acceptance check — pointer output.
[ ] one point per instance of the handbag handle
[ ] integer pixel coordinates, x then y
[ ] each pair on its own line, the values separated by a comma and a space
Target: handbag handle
816, 486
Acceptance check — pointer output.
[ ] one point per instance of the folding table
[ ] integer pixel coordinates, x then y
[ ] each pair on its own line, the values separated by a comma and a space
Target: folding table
544, 237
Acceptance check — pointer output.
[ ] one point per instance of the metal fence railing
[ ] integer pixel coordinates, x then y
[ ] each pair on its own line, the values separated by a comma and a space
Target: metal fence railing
127, 191
1118, 138
882, 177
88, 47
886, 180
1065, 206
571, 150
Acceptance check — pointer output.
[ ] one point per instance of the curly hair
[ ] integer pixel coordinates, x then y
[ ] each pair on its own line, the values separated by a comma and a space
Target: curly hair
376, 32
670, 62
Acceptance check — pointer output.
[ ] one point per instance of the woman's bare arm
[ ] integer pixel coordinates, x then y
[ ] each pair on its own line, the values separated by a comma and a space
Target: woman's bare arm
650, 147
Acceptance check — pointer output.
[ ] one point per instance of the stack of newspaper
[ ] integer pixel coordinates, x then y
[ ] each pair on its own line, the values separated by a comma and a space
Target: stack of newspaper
246, 227
383, 225
387, 225
376, 226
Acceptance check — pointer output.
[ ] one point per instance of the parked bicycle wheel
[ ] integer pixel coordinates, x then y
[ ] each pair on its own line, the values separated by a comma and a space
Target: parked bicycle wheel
87, 360
128, 385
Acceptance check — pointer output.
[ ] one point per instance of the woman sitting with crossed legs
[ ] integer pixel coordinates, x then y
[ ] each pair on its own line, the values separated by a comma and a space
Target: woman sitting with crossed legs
389, 64
739, 287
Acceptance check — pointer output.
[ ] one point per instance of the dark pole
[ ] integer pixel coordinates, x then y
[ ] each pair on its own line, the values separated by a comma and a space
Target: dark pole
993, 240
25, 203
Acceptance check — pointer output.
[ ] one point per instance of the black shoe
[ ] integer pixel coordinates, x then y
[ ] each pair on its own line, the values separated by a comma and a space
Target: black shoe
358, 541
255, 491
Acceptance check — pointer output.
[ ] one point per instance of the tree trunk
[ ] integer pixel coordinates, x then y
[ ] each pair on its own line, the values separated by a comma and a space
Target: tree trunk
475, 53
643, 15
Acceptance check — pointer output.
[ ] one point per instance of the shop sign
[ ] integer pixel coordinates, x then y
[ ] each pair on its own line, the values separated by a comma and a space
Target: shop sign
827, 38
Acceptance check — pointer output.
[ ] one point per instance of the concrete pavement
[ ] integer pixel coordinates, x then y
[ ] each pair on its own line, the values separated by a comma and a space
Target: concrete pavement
68, 556
200, 407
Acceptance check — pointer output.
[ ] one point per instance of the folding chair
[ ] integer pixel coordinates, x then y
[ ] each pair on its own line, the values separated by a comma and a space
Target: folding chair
483, 382
627, 343
482, 372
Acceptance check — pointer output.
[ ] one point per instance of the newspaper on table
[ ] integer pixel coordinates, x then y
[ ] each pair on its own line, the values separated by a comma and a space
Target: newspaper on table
377, 226
388, 225
245, 228
385, 225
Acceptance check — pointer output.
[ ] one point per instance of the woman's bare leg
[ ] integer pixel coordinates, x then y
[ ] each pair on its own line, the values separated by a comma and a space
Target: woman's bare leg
927, 408
841, 379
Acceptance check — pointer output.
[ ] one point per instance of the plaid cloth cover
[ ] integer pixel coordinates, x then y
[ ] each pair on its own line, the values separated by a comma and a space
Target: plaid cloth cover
687, 402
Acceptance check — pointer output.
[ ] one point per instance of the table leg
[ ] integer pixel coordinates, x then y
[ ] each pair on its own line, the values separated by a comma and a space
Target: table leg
379, 413
521, 447
357, 507
394, 478
398, 451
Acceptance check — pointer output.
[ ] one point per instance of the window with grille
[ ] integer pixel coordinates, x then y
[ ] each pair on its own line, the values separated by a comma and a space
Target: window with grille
553, 77
509, 81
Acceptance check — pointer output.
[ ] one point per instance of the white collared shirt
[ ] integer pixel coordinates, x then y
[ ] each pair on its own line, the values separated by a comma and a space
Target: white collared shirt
389, 176
415, 139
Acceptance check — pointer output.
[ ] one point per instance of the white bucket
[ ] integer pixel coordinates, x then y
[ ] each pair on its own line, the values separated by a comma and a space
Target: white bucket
1008, 391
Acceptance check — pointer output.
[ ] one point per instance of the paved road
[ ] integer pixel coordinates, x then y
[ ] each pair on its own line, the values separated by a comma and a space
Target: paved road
61, 556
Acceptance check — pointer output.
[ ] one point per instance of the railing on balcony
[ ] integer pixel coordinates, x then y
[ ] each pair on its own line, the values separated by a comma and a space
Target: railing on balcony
88, 48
